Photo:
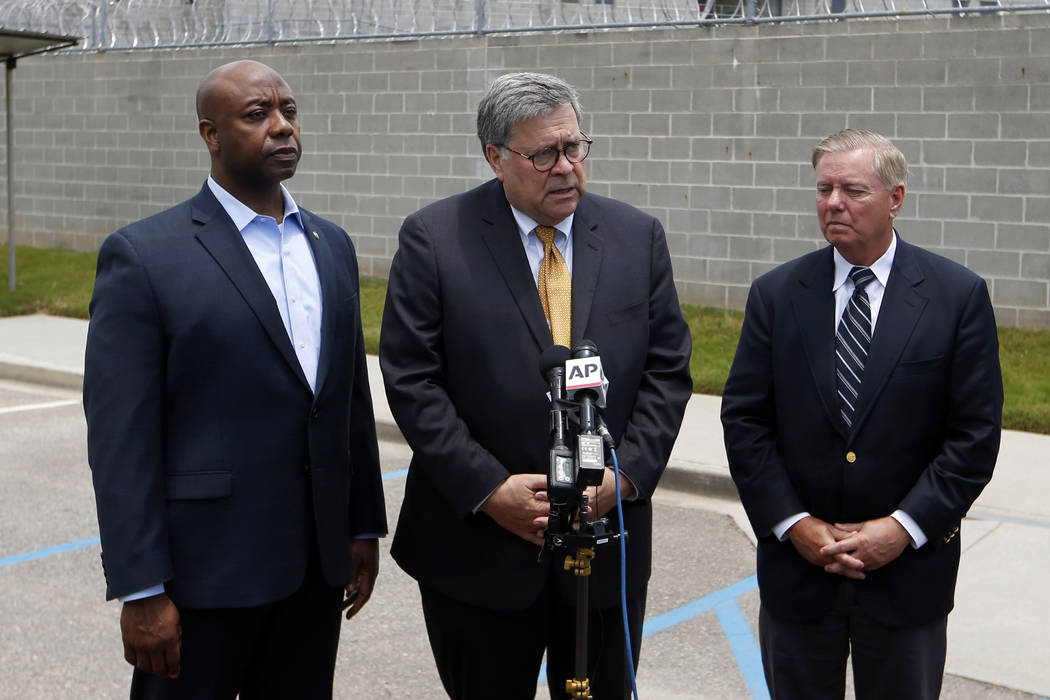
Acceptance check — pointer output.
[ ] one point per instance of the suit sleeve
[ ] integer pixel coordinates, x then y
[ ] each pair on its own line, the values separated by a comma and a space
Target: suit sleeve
666, 383
749, 423
367, 504
124, 370
955, 478
412, 357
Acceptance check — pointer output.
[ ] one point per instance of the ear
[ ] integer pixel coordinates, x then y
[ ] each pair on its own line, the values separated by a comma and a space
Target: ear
896, 200
495, 158
210, 134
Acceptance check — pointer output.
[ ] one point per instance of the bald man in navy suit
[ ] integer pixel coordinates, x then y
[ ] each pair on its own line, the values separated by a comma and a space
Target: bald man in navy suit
230, 430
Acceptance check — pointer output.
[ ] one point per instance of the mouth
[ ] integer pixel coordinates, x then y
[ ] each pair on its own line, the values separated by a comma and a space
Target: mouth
562, 191
285, 154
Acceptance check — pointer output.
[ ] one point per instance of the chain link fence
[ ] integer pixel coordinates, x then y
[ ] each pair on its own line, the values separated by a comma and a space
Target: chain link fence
130, 24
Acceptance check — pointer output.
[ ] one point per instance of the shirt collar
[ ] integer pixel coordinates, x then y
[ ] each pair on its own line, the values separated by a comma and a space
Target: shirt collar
526, 224
880, 267
241, 214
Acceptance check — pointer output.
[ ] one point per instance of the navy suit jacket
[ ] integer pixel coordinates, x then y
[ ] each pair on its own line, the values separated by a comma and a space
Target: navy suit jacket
215, 466
462, 336
924, 439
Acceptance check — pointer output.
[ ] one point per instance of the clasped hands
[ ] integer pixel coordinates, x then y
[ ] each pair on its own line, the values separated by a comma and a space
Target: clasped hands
520, 504
849, 549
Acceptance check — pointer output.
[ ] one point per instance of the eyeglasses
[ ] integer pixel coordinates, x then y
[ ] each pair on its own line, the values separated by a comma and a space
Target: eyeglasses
574, 152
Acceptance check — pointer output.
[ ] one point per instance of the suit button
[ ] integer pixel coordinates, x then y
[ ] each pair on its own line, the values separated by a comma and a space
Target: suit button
306, 468
851, 456
315, 413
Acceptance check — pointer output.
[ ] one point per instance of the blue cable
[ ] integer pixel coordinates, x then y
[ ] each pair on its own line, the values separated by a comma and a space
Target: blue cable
623, 576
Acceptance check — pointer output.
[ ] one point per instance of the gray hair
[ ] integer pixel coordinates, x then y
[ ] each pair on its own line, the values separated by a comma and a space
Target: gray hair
515, 97
890, 165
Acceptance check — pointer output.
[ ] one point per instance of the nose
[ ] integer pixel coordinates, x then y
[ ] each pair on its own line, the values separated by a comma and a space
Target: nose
280, 125
835, 198
562, 166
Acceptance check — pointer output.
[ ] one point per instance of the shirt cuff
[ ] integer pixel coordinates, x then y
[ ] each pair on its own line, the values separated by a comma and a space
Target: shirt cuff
918, 537
145, 593
781, 528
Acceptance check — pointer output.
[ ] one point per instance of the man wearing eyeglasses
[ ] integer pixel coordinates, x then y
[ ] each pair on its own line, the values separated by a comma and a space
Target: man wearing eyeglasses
482, 283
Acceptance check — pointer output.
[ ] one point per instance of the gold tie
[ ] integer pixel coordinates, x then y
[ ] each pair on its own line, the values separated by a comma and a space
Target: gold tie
555, 285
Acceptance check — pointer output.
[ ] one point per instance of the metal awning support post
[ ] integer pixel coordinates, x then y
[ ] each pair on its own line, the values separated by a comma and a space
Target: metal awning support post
15, 44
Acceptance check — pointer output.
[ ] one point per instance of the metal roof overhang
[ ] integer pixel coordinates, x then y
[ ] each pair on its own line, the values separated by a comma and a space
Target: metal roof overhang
16, 44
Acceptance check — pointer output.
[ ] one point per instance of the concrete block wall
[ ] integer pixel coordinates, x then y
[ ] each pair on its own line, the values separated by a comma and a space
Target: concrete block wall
708, 128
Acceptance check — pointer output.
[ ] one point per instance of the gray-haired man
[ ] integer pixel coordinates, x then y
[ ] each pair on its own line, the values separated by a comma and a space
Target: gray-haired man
463, 332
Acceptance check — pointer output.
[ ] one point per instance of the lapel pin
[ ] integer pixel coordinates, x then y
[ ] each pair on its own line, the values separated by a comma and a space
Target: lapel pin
315, 235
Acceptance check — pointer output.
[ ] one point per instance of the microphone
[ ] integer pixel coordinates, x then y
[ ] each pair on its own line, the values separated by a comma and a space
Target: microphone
561, 471
586, 384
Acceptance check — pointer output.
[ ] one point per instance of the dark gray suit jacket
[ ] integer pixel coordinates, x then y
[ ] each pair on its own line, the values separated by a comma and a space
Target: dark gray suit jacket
462, 336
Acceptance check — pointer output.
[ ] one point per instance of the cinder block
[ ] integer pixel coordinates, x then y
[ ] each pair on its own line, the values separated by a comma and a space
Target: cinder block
971, 180
1037, 210
953, 98
923, 72
733, 124
1012, 292
825, 74
684, 126
1031, 237
779, 75
897, 44
925, 126
777, 125
731, 271
670, 101
650, 124
733, 173
797, 201
947, 152
872, 73
942, 206
1032, 318
755, 99
801, 99
692, 76
1035, 127
649, 171
709, 246
751, 248
736, 75
996, 208
969, 235
669, 195
713, 100
884, 124
754, 149
1023, 181
848, 99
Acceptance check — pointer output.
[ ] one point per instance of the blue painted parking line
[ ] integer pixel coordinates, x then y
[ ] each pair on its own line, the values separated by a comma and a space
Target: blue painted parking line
700, 605
48, 551
745, 650
395, 475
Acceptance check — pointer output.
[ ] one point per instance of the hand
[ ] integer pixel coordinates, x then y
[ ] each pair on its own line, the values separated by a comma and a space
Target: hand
364, 567
520, 506
602, 499
812, 536
874, 543
152, 635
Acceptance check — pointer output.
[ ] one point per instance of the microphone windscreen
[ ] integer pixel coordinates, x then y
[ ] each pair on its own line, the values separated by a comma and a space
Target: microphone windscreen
552, 357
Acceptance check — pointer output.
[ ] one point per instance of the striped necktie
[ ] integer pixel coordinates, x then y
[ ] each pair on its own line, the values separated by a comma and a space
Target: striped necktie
555, 287
852, 342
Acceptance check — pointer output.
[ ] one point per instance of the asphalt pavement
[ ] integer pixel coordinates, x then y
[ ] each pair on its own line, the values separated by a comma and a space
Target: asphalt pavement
58, 639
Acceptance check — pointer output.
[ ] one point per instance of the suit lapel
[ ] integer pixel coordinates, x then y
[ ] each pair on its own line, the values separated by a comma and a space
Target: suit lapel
224, 243
902, 306
500, 235
326, 272
586, 263
814, 306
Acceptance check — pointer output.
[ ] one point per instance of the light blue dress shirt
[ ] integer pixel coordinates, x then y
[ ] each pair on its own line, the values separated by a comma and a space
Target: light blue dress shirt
283, 254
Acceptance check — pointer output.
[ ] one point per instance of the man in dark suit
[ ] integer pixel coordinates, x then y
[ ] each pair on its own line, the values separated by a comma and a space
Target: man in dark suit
462, 336
862, 418
230, 429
